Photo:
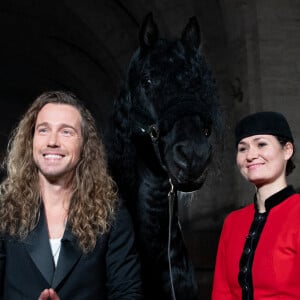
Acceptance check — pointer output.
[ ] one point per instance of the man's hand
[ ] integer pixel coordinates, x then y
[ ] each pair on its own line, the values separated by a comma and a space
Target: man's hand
48, 294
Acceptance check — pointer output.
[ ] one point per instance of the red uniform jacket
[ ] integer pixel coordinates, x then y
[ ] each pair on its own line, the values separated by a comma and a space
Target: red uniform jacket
276, 265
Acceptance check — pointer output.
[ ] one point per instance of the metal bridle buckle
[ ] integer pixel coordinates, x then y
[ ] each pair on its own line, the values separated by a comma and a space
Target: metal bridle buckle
153, 132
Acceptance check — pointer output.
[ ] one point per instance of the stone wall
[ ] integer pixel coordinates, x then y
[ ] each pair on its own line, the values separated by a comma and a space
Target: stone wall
261, 64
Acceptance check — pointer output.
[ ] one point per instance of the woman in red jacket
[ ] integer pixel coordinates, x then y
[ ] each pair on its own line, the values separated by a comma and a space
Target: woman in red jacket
259, 249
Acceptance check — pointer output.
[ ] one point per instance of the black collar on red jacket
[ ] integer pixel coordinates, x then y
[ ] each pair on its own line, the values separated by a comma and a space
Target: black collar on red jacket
276, 198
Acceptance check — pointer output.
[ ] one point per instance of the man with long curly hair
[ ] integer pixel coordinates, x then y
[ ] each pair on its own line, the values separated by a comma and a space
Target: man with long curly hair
63, 232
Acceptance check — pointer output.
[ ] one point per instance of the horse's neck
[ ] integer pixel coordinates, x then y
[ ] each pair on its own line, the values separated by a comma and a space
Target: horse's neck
152, 193
153, 183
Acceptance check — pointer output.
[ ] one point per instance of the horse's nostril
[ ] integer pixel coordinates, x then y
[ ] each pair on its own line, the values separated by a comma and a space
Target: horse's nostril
191, 159
180, 152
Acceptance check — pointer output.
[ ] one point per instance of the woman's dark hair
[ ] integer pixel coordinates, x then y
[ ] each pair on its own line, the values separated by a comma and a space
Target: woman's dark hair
290, 164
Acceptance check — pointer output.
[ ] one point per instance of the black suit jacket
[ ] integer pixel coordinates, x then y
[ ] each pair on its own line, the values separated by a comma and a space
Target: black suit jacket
110, 271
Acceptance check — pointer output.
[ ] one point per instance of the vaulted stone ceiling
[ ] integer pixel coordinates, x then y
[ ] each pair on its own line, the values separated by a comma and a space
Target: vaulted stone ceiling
84, 46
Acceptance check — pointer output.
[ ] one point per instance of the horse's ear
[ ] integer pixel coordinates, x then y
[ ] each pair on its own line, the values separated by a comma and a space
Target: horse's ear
191, 34
149, 32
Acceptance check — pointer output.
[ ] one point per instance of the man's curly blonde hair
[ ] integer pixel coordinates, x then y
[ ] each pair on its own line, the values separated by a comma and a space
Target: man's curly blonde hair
94, 193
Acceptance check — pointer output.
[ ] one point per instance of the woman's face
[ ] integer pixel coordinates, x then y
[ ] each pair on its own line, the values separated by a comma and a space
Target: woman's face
261, 159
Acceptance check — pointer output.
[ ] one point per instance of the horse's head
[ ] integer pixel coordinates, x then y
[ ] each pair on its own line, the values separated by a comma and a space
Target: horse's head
173, 98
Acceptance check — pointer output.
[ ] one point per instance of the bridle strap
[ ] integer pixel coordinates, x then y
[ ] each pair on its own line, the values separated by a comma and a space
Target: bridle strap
154, 133
166, 119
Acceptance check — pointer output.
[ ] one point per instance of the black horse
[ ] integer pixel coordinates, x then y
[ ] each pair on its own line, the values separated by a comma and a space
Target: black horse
158, 144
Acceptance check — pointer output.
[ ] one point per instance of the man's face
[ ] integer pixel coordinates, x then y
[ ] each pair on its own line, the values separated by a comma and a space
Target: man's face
57, 141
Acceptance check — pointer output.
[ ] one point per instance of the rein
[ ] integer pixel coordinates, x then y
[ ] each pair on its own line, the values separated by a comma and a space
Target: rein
172, 196
154, 133
166, 121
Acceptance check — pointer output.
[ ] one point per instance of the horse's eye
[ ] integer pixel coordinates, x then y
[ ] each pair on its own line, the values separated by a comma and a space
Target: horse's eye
206, 132
146, 82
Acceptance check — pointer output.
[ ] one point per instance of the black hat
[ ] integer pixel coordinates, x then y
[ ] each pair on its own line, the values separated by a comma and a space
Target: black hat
266, 122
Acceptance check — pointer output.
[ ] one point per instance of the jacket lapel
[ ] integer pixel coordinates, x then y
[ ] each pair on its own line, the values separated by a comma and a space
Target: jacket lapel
38, 247
68, 257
